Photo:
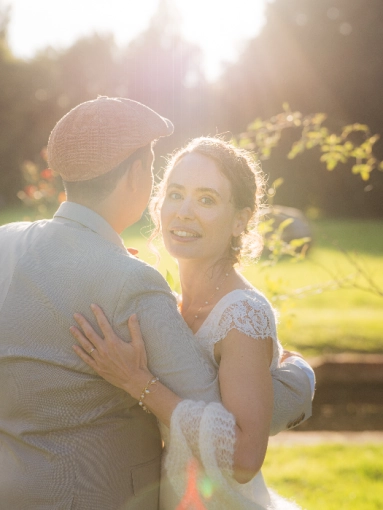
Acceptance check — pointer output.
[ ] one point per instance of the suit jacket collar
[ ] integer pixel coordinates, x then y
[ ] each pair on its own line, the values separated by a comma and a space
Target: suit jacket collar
90, 219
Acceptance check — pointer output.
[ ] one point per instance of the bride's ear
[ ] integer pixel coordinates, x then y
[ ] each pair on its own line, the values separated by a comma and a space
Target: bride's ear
242, 218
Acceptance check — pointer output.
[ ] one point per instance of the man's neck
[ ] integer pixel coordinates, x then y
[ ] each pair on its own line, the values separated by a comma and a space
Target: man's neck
109, 210
103, 210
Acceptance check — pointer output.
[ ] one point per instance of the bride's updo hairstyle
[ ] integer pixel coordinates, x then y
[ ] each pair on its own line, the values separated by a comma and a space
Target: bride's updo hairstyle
247, 188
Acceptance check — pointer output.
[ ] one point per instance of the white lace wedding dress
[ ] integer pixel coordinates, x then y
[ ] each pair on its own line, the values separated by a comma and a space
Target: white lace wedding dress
207, 431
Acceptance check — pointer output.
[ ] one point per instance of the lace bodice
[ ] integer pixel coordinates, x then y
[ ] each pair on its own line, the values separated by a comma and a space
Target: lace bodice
249, 312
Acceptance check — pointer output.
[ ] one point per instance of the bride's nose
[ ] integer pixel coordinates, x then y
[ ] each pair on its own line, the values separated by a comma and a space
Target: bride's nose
186, 210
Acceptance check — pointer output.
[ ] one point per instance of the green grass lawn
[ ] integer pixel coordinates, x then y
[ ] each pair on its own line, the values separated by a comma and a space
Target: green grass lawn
331, 321
318, 322
328, 476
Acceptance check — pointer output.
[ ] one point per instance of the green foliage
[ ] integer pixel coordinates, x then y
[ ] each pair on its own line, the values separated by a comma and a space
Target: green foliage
303, 56
170, 280
263, 136
328, 476
277, 247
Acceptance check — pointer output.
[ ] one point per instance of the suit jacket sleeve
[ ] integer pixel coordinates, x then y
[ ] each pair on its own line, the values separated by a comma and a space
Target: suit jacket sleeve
172, 353
292, 397
174, 357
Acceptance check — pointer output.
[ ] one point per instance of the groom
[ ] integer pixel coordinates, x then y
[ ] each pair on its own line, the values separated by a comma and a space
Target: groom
68, 439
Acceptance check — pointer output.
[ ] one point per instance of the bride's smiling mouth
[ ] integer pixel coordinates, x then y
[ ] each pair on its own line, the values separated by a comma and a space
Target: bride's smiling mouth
182, 234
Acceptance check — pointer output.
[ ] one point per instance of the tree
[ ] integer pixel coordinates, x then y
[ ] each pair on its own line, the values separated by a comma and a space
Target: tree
16, 112
160, 69
5, 12
319, 57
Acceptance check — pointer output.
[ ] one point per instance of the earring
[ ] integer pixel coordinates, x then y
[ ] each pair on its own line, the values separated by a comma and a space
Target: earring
234, 248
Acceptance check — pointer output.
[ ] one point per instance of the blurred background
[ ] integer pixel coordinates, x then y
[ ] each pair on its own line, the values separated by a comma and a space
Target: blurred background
211, 67
214, 67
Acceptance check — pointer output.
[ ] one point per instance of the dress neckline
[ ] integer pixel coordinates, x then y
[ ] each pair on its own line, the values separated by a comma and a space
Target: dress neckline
221, 301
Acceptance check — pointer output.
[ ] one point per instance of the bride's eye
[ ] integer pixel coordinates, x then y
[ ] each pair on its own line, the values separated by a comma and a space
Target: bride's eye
173, 195
207, 201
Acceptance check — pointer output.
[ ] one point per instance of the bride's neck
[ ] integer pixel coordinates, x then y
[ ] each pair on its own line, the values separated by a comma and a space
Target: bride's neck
199, 280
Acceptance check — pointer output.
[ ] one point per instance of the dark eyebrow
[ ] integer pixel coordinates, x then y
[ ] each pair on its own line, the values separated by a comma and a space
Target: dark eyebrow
209, 190
200, 190
174, 185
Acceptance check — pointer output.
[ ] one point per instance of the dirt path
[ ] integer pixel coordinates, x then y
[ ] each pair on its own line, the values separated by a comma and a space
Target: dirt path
314, 437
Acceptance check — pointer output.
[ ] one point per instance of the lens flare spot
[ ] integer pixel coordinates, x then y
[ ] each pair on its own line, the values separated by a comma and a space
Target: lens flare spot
206, 487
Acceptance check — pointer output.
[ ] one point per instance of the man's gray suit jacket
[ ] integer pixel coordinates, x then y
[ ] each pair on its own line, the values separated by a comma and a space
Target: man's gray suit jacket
69, 439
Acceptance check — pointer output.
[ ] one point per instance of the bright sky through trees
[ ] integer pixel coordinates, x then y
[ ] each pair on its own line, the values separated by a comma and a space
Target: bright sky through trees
219, 27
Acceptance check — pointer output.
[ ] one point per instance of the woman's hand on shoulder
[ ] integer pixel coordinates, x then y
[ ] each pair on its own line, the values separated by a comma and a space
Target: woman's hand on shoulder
287, 354
123, 364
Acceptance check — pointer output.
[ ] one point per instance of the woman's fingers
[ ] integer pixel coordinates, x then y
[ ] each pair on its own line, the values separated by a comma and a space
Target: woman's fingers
286, 355
83, 341
84, 356
135, 331
103, 322
89, 332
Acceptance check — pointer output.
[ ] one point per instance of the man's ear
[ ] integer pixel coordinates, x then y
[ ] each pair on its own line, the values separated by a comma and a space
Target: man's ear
133, 176
241, 220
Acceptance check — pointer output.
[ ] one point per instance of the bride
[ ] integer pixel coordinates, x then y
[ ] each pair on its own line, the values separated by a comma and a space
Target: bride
207, 209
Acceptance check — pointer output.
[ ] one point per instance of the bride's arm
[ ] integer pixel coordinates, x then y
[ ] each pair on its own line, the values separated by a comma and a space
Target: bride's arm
247, 392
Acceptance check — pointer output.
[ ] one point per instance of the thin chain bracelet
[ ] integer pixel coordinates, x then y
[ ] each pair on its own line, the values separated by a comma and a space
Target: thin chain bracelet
144, 392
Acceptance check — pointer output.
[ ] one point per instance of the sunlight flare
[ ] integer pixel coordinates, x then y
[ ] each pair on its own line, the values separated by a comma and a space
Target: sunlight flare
220, 28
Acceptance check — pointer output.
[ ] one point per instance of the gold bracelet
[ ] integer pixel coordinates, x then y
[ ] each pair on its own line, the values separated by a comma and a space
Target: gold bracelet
144, 392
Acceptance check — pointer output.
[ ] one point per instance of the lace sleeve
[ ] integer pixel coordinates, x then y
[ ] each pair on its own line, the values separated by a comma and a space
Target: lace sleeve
205, 432
253, 317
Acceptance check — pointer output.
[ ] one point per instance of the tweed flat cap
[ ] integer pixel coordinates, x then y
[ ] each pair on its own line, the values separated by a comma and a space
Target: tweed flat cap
98, 135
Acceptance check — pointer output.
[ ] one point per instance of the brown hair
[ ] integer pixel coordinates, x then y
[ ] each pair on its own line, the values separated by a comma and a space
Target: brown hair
247, 187
98, 188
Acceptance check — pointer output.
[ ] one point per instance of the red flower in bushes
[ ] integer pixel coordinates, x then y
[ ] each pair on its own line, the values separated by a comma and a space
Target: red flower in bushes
47, 174
30, 190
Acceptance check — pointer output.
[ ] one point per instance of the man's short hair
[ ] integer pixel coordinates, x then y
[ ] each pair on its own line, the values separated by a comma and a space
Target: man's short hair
101, 187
